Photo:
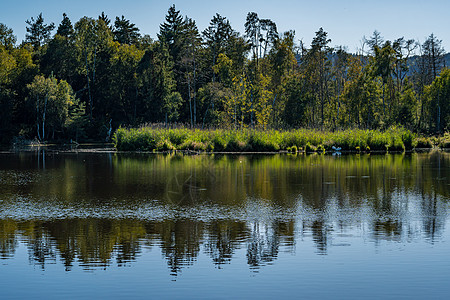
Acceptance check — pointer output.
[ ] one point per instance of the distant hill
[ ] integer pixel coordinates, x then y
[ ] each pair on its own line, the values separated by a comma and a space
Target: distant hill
411, 61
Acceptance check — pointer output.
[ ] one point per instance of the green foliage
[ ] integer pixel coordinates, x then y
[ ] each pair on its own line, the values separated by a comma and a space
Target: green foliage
171, 32
223, 69
60, 58
51, 99
7, 38
409, 140
262, 141
194, 145
238, 104
5, 117
7, 66
120, 98
247, 140
38, 32
262, 102
164, 145
317, 69
172, 103
135, 139
155, 71
321, 149
209, 80
310, 148
293, 149
444, 141
295, 100
219, 143
407, 107
178, 136
93, 44
125, 32
217, 36
211, 99
77, 120
65, 29
438, 96
423, 142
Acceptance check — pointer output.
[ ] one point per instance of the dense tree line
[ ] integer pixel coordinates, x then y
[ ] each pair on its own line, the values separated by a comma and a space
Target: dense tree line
99, 74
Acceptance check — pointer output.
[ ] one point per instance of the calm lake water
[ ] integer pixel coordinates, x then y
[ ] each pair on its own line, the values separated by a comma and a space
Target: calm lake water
90, 225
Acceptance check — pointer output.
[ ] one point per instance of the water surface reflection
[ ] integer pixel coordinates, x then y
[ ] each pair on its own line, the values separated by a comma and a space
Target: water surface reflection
98, 210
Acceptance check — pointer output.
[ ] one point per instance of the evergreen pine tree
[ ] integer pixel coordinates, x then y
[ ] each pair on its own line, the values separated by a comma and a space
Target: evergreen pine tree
125, 32
65, 28
38, 31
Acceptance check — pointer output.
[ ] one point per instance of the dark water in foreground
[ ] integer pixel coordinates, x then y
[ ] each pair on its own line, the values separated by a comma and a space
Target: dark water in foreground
90, 225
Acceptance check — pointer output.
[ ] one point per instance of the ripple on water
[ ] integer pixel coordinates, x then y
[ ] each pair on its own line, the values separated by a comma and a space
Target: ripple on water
17, 178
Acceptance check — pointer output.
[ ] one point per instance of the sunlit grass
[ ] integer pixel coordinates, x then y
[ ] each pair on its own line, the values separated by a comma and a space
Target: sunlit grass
251, 140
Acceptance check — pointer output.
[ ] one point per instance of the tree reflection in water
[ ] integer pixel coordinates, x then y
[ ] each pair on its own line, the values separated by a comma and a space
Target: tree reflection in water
96, 211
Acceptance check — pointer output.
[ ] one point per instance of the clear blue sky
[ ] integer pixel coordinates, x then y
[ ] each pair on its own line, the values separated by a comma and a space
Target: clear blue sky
346, 21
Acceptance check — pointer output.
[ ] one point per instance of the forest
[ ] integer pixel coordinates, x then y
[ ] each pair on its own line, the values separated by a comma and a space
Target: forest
84, 80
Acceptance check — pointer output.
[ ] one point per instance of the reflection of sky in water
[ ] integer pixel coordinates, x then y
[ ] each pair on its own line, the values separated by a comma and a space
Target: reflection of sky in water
224, 227
355, 266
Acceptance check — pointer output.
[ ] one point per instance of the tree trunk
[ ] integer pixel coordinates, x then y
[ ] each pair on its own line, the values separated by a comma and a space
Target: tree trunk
384, 107
88, 84
37, 118
438, 114
251, 107
43, 118
190, 100
193, 83
135, 105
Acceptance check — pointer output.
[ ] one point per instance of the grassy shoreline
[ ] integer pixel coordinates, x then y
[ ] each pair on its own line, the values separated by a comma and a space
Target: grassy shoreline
250, 140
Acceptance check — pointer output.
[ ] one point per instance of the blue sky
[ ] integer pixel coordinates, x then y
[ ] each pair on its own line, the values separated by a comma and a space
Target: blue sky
346, 21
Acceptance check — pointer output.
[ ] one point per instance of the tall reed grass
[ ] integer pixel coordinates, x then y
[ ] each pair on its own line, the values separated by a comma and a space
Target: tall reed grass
249, 140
